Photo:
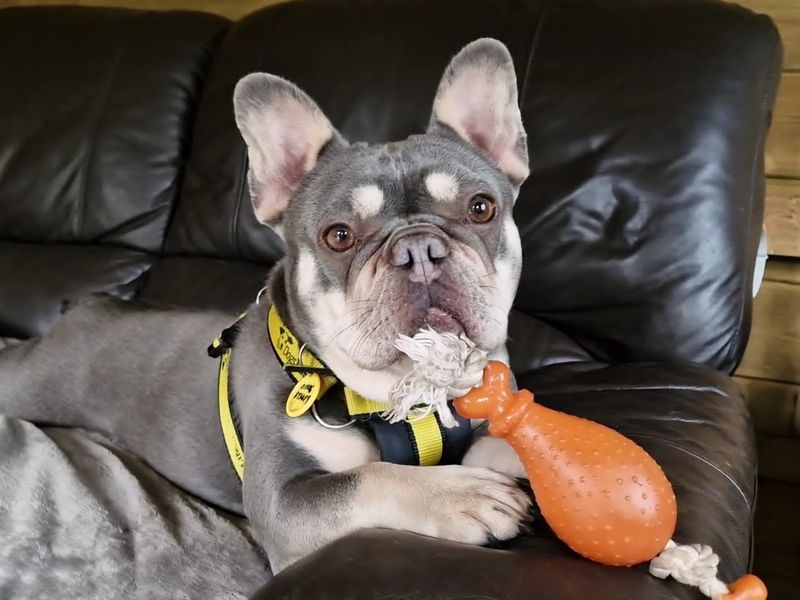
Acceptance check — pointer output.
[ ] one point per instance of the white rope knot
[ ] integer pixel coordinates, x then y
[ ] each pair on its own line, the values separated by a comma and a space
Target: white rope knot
691, 564
445, 366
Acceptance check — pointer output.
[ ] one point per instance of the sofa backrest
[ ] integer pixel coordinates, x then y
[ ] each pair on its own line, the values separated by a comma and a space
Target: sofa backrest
97, 112
646, 124
97, 109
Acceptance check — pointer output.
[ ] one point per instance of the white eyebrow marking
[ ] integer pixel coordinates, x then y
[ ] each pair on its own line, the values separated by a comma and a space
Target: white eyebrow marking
442, 186
367, 200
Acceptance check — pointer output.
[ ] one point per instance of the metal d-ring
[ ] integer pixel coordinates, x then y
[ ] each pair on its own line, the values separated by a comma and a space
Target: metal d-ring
314, 405
260, 293
329, 425
300, 354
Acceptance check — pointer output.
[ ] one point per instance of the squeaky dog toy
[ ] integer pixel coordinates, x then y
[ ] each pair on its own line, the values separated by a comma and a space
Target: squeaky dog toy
601, 493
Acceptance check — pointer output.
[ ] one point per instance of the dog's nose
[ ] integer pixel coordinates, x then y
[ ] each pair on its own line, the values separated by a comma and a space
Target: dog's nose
419, 249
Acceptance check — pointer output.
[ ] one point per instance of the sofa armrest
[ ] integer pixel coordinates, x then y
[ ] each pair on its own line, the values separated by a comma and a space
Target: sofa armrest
692, 420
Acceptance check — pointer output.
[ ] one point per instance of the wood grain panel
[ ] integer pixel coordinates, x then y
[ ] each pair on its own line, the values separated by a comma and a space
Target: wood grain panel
783, 144
774, 452
784, 270
773, 405
786, 14
773, 351
782, 217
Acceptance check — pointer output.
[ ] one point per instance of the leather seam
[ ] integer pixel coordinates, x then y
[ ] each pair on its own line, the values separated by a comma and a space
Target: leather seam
191, 118
244, 161
751, 550
532, 51
97, 118
593, 390
759, 150
238, 204
696, 456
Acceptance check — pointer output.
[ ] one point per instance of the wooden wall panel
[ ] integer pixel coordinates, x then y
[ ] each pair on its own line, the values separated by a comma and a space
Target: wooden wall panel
784, 270
782, 216
783, 144
773, 404
773, 351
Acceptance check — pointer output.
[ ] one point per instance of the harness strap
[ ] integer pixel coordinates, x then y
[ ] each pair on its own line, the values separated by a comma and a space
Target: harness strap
420, 441
229, 430
221, 347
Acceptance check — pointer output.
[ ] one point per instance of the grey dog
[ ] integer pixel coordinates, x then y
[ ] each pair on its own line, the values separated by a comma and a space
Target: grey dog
381, 240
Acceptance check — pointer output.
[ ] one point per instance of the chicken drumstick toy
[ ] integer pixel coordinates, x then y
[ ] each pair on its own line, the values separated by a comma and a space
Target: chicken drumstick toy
601, 493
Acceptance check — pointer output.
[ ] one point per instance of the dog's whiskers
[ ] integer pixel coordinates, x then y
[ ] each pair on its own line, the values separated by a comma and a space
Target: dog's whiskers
327, 344
365, 336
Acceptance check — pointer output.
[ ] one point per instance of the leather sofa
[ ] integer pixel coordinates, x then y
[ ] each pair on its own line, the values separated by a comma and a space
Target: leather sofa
121, 171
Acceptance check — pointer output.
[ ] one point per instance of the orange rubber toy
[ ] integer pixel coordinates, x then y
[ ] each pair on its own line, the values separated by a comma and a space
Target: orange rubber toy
602, 494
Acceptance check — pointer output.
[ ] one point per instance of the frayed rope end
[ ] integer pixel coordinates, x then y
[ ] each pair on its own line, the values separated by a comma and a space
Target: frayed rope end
690, 564
445, 366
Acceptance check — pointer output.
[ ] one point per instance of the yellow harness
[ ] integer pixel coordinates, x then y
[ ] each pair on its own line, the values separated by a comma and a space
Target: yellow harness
422, 441
221, 347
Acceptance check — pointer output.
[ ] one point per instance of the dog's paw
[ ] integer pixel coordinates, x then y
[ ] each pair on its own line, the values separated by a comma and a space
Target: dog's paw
469, 505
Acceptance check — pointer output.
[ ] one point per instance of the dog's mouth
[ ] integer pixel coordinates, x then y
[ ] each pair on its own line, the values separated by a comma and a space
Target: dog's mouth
442, 321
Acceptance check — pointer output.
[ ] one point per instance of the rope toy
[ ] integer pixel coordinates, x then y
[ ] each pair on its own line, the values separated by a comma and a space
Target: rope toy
445, 366
601, 493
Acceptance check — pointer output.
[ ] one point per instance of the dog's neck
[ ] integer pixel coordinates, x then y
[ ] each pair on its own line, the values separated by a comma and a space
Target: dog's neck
375, 385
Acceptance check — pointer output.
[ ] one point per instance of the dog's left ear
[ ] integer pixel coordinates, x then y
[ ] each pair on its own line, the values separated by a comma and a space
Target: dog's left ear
477, 99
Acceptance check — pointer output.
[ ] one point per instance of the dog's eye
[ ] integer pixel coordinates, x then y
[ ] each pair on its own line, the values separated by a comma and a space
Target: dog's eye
481, 208
339, 237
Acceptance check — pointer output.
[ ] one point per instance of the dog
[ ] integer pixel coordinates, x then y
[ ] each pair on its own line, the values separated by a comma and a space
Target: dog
381, 240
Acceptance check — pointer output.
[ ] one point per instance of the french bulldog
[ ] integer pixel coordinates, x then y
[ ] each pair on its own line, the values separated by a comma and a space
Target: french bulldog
381, 240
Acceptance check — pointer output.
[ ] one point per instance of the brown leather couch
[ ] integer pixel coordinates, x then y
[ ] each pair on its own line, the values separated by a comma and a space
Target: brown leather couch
121, 170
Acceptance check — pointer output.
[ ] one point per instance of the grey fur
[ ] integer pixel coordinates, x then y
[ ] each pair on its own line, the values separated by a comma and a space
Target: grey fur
140, 375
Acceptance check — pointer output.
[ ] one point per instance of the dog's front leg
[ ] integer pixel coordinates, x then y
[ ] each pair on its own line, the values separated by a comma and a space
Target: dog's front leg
464, 504
494, 453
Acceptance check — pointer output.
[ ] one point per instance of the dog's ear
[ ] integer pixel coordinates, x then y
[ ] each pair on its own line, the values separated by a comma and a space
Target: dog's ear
285, 131
477, 99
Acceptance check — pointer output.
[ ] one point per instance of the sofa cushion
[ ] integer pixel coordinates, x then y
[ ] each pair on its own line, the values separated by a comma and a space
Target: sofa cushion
96, 107
642, 215
204, 283
35, 280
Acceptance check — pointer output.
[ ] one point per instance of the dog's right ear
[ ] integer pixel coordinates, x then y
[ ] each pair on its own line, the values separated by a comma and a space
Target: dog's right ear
284, 131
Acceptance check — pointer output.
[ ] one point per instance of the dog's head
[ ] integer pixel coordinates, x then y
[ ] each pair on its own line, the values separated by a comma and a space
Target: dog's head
383, 240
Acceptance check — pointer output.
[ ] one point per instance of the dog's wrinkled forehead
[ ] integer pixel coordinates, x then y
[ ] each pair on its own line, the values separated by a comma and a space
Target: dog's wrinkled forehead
415, 176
